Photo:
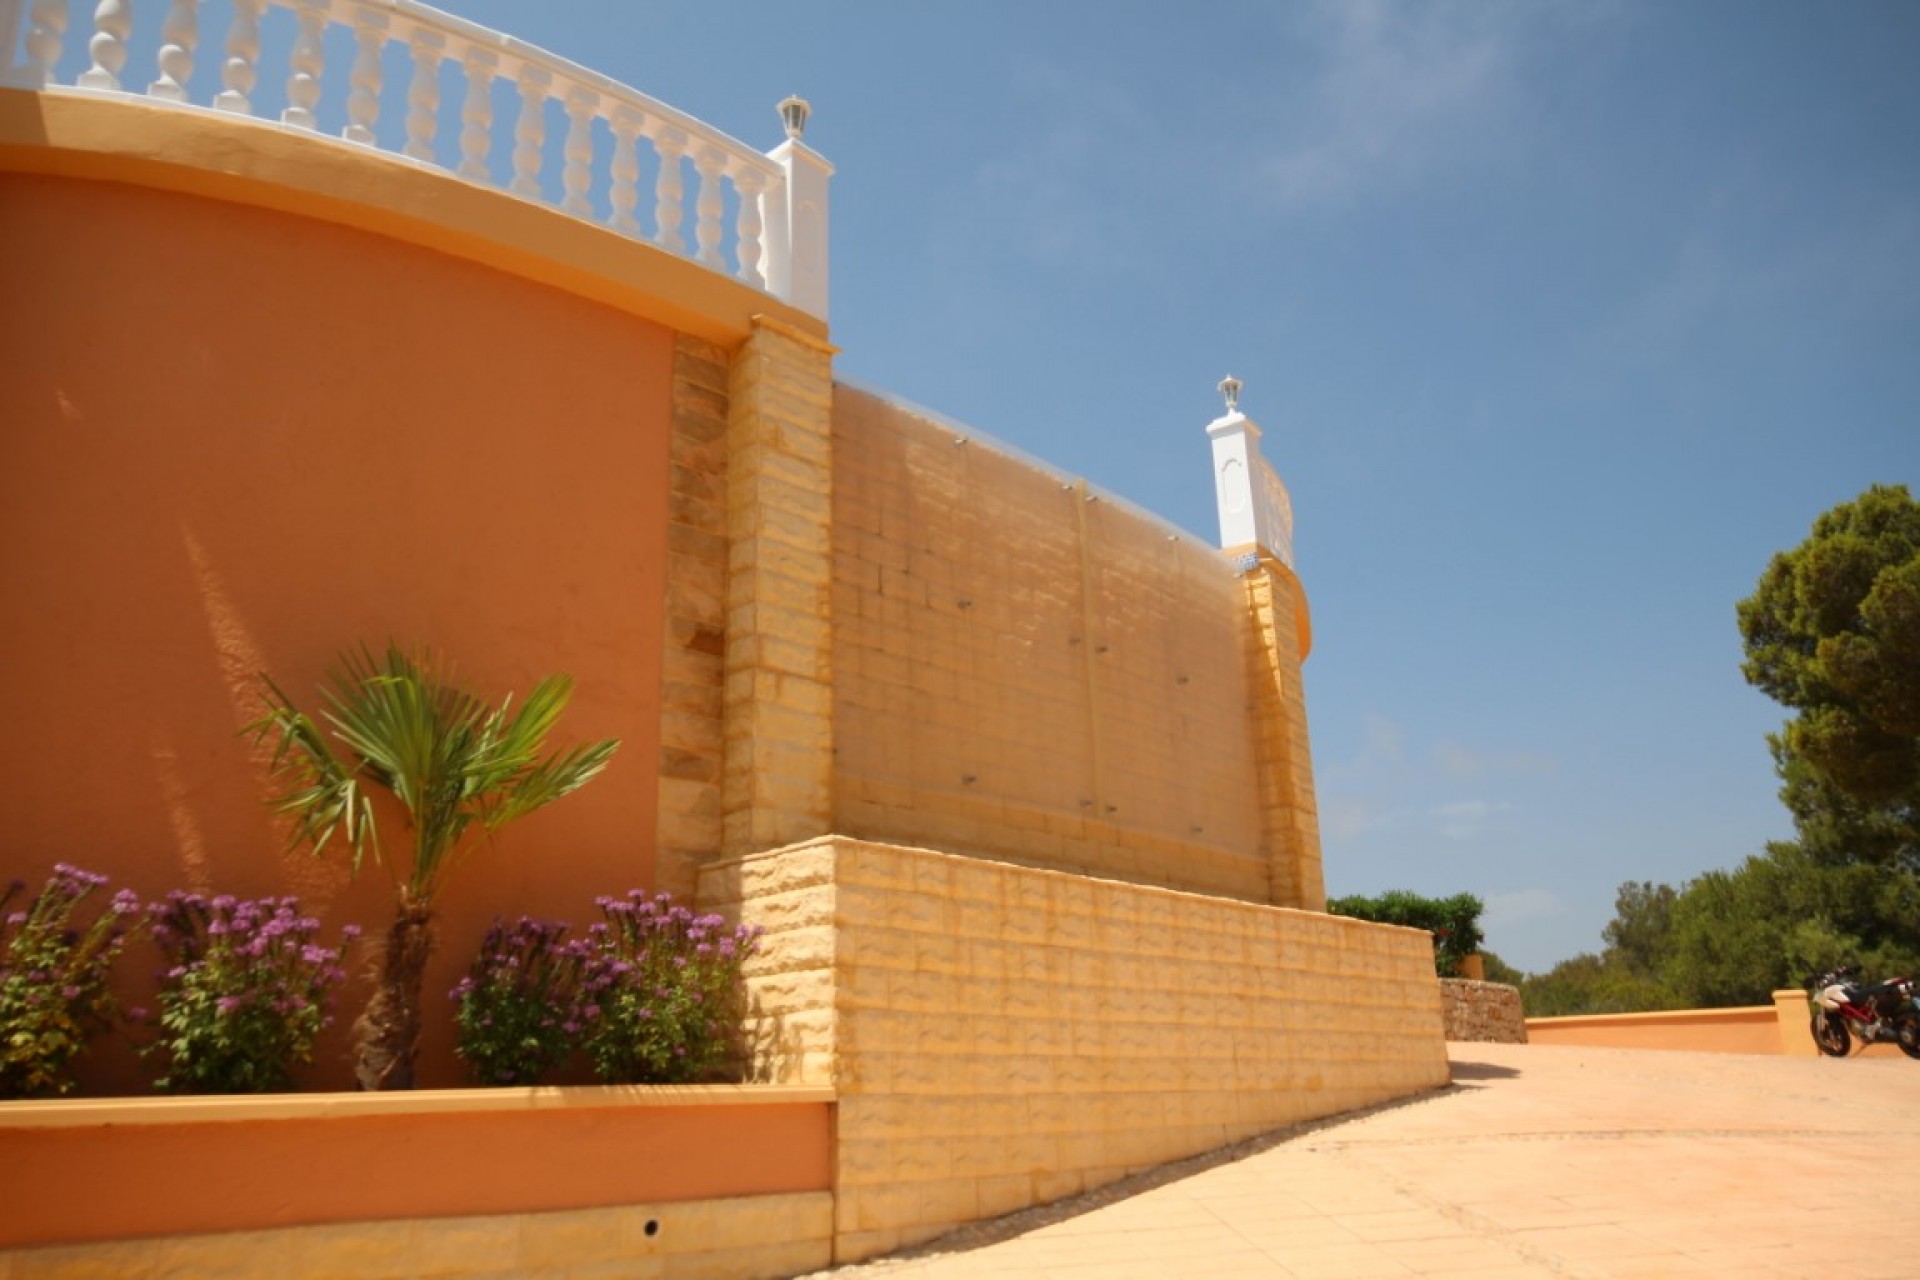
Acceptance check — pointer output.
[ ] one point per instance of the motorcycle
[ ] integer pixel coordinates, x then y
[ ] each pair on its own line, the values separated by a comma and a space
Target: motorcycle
1846, 1009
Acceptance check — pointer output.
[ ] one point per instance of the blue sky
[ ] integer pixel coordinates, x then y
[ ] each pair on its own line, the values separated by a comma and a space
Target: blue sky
1559, 320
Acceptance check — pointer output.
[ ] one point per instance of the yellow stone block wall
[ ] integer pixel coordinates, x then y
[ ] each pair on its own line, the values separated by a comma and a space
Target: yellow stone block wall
1002, 1035
1026, 670
740, 1239
1277, 637
777, 694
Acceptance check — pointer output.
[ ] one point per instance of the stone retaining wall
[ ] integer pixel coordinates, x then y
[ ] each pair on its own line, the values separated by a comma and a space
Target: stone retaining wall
1001, 1036
1486, 1011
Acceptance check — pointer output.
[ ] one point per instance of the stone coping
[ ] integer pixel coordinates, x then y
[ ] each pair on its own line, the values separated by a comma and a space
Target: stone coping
55, 1113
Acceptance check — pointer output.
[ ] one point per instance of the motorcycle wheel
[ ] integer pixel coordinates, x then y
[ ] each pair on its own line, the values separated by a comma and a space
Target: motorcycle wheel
1830, 1033
1906, 1032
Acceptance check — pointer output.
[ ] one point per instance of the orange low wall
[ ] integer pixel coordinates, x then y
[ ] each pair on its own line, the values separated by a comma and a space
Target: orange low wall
1747, 1030
1778, 1028
81, 1171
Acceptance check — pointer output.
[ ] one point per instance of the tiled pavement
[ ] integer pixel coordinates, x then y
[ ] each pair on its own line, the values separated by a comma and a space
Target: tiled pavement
1537, 1161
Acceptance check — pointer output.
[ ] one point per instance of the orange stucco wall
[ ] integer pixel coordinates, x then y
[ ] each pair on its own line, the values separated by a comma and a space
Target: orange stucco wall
235, 439
1743, 1030
111, 1180
1778, 1028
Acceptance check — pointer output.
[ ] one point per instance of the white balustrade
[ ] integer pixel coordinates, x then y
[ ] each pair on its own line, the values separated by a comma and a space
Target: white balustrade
578, 175
709, 206
476, 114
238, 72
112, 23
44, 38
308, 62
776, 239
623, 196
176, 55
363, 105
423, 94
668, 191
530, 132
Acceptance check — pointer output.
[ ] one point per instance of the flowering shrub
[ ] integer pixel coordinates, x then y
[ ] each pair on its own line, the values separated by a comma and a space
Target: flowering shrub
53, 979
518, 1009
660, 994
248, 991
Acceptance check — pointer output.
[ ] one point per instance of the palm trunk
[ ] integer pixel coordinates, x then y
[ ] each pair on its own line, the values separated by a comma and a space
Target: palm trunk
387, 1035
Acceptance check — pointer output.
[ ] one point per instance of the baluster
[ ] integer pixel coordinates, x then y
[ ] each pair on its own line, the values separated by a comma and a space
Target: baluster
46, 32
623, 178
578, 175
530, 131
243, 53
746, 249
308, 61
423, 93
178, 39
363, 102
476, 114
708, 207
668, 195
112, 20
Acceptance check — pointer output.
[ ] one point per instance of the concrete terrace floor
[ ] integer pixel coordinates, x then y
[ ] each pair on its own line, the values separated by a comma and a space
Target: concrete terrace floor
1536, 1161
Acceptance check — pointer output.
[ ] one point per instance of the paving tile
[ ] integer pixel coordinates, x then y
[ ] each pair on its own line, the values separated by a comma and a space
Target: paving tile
1355, 1262
1578, 1163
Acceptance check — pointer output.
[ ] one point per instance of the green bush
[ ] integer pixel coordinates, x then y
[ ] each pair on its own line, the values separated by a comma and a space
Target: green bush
662, 991
54, 967
1454, 922
247, 990
517, 1013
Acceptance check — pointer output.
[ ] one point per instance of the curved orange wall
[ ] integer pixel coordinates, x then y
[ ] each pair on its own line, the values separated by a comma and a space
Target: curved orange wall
233, 439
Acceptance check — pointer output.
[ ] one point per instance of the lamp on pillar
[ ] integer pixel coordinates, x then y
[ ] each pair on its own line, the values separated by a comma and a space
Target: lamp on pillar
1255, 511
793, 115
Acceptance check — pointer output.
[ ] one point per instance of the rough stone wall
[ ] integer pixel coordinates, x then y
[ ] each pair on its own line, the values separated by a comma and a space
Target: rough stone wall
1486, 1011
692, 750
1026, 670
1001, 1036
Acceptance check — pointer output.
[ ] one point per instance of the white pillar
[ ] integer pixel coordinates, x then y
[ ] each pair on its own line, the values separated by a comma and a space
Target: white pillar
799, 275
1255, 510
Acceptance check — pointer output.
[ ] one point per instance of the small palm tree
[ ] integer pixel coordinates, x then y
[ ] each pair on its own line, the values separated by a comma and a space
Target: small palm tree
461, 771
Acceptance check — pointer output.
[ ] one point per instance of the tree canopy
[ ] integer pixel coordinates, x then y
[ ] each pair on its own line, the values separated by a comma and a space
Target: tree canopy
1832, 632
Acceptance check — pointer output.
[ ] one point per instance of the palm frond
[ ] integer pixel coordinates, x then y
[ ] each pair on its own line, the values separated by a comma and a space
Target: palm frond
447, 757
322, 793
